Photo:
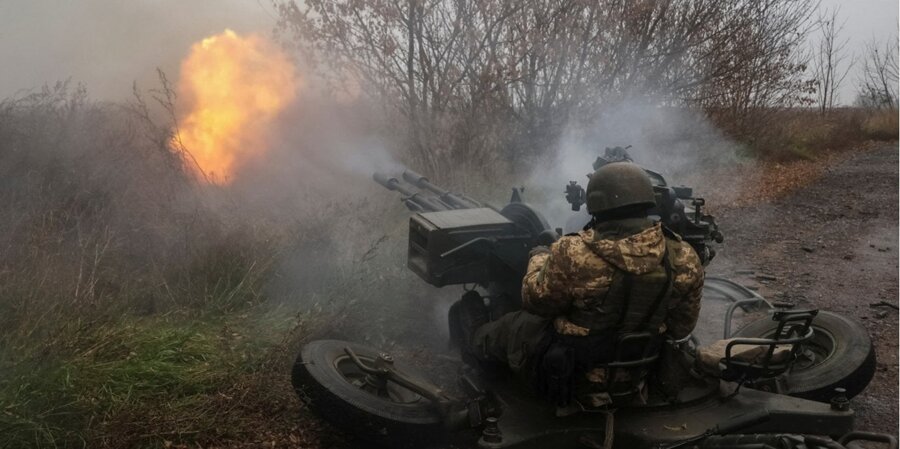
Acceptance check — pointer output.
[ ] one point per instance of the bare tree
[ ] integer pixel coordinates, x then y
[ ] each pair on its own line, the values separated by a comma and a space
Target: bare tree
425, 58
487, 78
878, 87
830, 60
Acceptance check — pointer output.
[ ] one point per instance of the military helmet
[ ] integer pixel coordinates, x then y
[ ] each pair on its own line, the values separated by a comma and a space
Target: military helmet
619, 184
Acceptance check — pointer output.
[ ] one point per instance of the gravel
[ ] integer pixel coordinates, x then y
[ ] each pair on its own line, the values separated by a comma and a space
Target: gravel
831, 244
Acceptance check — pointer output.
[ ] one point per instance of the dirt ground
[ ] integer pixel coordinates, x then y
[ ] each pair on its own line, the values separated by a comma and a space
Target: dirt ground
832, 245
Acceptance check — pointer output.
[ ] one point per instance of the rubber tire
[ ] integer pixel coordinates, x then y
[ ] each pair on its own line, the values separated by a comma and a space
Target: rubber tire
371, 419
851, 364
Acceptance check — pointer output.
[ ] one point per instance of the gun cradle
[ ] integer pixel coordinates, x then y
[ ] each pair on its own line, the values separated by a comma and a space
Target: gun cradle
463, 246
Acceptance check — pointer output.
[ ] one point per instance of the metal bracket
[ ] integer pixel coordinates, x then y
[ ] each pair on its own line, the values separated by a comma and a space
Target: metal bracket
455, 413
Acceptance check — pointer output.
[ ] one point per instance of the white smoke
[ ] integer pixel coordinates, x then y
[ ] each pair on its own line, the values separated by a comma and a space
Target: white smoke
678, 143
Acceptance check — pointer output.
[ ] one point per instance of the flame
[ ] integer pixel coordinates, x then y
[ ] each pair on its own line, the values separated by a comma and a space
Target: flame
234, 88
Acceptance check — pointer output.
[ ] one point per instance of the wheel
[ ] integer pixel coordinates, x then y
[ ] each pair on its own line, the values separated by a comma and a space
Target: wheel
840, 354
383, 414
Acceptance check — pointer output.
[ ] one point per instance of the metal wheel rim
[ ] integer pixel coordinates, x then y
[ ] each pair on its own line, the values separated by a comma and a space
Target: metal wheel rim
820, 346
390, 391
815, 352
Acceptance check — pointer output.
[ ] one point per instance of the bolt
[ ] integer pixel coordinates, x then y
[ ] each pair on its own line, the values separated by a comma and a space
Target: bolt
491, 433
840, 402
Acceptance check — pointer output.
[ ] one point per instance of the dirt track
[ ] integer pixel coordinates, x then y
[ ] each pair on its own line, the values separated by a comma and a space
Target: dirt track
831, 245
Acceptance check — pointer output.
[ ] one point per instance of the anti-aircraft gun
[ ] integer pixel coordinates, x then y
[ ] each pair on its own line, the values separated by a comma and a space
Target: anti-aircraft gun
454, 239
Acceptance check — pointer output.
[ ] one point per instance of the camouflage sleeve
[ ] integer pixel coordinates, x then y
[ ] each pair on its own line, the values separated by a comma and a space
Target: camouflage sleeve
545, 286
688, 287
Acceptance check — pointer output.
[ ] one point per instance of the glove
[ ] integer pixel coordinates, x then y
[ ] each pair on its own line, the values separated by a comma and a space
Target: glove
540, 249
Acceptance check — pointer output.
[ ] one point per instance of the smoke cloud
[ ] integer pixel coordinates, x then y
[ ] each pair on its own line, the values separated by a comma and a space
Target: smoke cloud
678, 143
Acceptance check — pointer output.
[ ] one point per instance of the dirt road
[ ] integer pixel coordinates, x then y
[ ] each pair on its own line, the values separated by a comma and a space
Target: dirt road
831, 245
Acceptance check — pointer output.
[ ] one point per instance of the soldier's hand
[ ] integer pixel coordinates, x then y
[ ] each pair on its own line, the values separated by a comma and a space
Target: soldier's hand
540, 249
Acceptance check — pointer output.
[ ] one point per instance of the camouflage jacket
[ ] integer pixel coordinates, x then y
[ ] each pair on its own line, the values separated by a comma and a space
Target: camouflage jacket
580, 267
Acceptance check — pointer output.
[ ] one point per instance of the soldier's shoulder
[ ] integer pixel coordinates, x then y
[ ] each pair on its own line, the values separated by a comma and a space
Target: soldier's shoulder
683, 254
575, 238
571, 243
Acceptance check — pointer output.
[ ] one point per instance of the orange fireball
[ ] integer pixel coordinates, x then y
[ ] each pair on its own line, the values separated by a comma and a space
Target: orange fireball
234, 88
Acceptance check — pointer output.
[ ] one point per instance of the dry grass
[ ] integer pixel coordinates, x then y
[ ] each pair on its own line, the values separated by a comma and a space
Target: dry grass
792, 134
881, 125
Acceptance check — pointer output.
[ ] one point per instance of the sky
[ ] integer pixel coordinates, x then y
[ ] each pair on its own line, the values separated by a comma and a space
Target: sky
863, 21
109, 44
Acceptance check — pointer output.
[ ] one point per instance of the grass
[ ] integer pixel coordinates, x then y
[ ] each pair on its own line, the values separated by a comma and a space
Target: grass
802, 134
132, 313
140, 382
882, 125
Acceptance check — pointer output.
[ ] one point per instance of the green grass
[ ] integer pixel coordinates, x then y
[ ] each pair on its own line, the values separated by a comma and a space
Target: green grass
139, 382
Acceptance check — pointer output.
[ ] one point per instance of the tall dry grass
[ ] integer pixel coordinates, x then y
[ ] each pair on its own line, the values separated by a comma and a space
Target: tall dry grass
803, 133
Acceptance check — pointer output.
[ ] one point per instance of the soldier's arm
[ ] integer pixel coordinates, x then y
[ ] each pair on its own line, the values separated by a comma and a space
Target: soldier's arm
688, 287
546, 283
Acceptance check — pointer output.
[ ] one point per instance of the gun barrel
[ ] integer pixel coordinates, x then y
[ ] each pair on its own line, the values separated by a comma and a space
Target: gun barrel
449, 198
391, 183
414, 200
418, 180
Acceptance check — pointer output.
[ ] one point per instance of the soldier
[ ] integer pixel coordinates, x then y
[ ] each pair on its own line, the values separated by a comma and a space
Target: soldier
623, 274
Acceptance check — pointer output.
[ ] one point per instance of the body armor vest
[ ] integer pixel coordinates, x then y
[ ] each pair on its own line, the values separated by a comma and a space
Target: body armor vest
633, 303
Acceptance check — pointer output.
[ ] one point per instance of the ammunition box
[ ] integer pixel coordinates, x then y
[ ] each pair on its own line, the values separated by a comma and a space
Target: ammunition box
455, 246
